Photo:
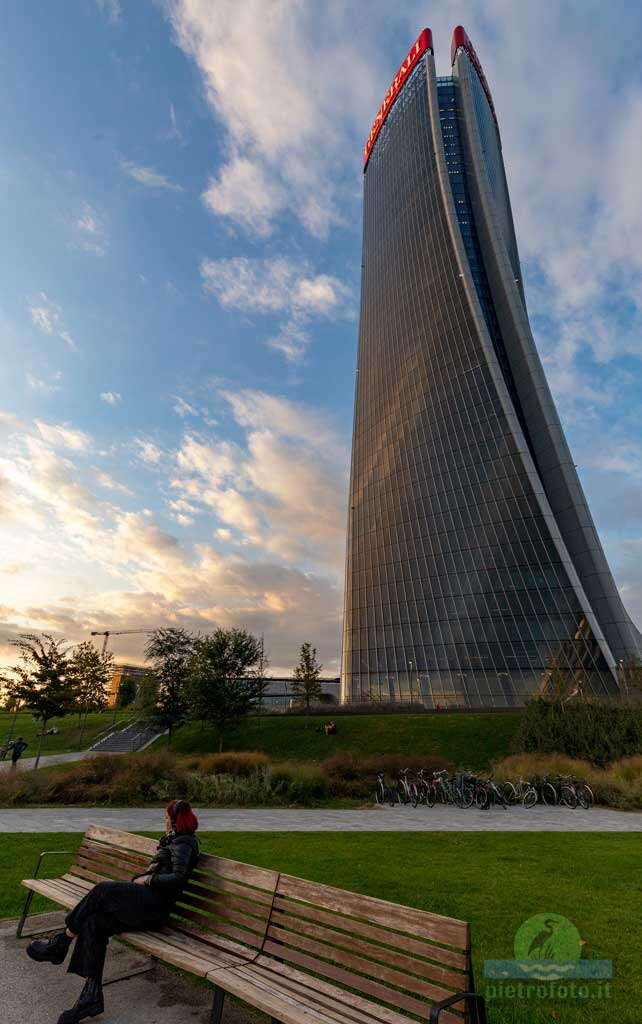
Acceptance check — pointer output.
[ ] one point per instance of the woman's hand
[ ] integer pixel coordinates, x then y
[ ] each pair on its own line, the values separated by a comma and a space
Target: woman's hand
143, 880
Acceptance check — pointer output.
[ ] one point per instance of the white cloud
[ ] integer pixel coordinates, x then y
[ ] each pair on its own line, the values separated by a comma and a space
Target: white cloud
111, 397
183, 408
105, 480
63, 436
90, 228
148, 452
174, 130
292, 90
47, 317
44, 387
111, 9
282, 490
244, 193
149, 178
277, 285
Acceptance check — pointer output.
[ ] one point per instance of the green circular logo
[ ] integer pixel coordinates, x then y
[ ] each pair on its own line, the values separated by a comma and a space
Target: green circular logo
548, 937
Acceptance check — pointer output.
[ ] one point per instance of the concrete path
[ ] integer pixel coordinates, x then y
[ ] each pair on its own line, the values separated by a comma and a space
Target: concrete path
40, 992
47, 759
377, 819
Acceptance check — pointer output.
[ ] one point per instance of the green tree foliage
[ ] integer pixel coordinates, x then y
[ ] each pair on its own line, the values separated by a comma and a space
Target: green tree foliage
89, 675
305, 680
43, 681
127, 692
591, 730
170, 652
226, 679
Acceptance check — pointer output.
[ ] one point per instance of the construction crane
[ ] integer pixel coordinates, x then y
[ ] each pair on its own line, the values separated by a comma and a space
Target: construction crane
117, 632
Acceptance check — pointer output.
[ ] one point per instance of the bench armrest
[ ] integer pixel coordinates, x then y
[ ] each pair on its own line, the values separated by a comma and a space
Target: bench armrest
480, 1006
50, 853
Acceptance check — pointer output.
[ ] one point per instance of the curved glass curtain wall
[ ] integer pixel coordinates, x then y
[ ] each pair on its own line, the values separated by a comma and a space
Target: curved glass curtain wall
455, 592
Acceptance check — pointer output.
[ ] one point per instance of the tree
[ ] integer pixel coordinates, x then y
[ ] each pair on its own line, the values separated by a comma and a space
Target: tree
630, 675
262, 682
127, 692
305, 681
43, 682
90, 673
170, 651
225, 677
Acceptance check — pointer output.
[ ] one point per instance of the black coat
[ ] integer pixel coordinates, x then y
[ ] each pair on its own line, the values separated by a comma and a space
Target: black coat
172, 863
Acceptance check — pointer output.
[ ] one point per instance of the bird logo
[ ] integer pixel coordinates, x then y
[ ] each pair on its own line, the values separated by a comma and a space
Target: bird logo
549, 937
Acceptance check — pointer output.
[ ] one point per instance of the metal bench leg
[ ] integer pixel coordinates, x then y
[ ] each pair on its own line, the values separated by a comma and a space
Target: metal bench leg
25, 913
479, 1007
152, 966
217, 1005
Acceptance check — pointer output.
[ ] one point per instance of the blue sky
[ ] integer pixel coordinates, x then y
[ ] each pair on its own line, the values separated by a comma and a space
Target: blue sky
179, 283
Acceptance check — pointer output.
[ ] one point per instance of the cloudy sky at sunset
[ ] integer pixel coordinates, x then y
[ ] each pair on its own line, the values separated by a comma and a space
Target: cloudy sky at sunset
179, 286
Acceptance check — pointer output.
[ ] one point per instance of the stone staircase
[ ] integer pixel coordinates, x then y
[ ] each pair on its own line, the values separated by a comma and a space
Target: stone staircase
135, 736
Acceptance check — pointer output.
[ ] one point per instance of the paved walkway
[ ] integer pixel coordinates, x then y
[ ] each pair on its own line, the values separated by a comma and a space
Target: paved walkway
40, 992
47, 759
377, 819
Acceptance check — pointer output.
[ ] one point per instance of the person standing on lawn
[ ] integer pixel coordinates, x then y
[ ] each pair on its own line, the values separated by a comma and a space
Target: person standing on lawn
17, 748
114, 907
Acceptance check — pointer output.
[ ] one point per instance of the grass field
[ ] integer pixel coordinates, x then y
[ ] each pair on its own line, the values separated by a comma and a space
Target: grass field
495, 881
68, 738
467, 740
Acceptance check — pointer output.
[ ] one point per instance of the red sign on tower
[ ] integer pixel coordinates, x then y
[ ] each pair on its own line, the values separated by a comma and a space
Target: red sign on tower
416, 52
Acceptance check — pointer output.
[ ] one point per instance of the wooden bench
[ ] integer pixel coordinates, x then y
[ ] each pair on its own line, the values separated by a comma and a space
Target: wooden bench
299, 951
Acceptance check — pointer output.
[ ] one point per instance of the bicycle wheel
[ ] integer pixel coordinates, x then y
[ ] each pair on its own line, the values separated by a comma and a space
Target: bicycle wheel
402, 796
584, 796
414, 794
568, 797
549, 794
482, 798
530, 797
510, 793
467, 797
380, 793
431, 796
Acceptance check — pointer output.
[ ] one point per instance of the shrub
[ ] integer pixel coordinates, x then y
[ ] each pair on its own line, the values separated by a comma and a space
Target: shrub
619, 785
241, 764
592, 731
354, 775
300, 783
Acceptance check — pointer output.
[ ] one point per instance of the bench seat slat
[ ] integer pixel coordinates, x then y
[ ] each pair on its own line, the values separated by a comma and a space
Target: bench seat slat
282, 1007
375, 951
355, 981
316, 989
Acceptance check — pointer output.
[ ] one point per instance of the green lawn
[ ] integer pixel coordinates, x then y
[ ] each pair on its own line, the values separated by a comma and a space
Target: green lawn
495, 881
68, 738
468, 740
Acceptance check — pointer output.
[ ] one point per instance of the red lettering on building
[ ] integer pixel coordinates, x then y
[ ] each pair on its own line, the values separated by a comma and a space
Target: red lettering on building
460, 38
416, 52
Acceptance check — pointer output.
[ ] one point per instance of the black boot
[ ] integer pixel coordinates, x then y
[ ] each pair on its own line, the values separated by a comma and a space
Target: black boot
90, 1003
51, 951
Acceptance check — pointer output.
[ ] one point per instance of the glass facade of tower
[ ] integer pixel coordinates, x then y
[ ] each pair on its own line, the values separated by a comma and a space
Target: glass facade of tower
459, 590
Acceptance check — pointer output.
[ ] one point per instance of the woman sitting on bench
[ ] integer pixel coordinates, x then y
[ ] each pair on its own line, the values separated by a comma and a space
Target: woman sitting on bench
114, 907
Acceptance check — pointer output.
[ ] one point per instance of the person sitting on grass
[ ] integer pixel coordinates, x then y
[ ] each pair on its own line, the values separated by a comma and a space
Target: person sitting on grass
114, 907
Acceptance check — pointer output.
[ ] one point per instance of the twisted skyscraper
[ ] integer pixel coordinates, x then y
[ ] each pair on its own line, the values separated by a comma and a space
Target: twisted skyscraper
474, 572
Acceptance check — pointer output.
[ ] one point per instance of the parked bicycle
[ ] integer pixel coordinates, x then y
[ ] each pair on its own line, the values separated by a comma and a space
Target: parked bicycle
520, 792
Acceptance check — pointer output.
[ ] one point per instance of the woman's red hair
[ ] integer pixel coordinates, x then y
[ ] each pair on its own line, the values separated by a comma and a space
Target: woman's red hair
185, 822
